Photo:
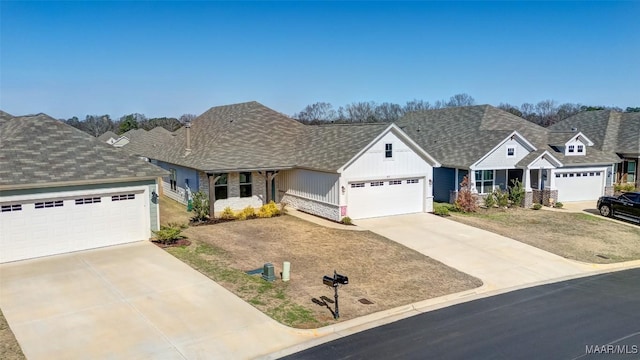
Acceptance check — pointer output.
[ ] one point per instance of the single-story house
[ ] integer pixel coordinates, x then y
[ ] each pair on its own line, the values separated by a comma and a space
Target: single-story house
496, 148
611, 131
62, 190
247, 155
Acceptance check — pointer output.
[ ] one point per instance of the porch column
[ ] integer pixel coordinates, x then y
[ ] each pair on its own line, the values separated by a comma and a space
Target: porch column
270, 177
540, 186
551, 177
526, 178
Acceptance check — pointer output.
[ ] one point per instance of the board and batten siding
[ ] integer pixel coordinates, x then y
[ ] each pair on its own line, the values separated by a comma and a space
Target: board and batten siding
497, 159
309, 184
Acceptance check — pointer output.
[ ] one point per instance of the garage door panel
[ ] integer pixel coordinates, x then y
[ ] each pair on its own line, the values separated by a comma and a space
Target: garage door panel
34, 232
385, 198
579, 186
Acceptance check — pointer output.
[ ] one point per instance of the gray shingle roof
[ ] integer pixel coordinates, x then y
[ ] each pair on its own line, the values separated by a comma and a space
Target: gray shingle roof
4, 116
460, 136
108, 135
252, 136
39, 150
611, 131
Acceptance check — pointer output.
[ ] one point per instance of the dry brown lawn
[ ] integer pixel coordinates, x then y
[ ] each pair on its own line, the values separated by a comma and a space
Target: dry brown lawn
379, 270
9, 348
574, 236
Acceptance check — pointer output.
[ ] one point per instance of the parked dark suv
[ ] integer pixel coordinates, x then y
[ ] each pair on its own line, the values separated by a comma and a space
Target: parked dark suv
625, 206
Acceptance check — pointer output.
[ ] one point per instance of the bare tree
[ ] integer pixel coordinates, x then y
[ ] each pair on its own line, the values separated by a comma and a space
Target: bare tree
97, 125
361, 111
388, 112
510, 108
185, 118
461, 100
316, 113
416, 105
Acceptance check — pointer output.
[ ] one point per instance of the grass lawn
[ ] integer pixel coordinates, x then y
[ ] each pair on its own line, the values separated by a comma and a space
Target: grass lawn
9, 348
574, 236
380, 271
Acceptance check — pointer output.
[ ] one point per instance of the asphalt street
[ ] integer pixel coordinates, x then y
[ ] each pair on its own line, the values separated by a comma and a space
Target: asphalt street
596, 317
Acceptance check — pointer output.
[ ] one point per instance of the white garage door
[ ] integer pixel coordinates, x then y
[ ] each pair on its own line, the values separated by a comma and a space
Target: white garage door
579, 186
49, 225
385, 197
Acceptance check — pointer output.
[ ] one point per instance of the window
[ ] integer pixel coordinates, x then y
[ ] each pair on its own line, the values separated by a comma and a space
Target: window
580, 148
572, 148
388, 151
173, 179
572, 175
579, 174
377, 183
484, 181
564, 175
630, 169
511, 151
10, 208
91, 200
48, 204
557, 175
245, 184
395, 182
221, 186
412, 181
123, 197
357, 185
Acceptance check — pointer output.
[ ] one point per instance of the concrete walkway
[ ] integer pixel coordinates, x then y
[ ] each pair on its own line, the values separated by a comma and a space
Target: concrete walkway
498, 261
131, 302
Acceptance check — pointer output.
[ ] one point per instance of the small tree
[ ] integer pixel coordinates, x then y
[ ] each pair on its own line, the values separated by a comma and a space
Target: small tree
200, 206
516, 192
466, 201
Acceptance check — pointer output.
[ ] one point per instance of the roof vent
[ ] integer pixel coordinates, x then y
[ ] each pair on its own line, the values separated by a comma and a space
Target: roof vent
574, 129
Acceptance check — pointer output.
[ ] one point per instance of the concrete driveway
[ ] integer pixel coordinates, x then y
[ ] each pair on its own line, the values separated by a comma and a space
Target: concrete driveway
498, 261
131, 301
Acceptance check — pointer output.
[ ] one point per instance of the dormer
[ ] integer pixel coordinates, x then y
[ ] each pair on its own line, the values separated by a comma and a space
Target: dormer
577, 145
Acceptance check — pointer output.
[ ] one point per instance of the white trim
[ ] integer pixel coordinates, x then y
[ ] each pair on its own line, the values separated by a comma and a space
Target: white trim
525, 142
546, 153
579, 135
388, 177
403, 136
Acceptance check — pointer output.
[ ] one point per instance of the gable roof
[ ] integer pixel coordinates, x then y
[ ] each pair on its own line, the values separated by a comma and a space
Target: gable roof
39, 151
4, 116
460, 136
609, 130
108, 135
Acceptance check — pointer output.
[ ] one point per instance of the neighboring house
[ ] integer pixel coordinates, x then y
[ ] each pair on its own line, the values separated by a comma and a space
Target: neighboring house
250, 154
611, 131
62, 190
109, 137
131, 135
496, 147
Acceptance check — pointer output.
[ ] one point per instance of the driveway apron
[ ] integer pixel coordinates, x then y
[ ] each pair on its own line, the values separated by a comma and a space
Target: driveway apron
130, 301
498, 261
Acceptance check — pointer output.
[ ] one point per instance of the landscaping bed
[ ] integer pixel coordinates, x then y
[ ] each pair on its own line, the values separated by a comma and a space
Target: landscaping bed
576, 236
381, 272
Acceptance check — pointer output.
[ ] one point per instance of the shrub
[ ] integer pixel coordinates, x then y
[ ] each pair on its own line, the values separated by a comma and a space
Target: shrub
501, 197
624, 187
558, 205
268, 210
537, 206
490, 201
247, 213
170, 233
441, 209
200, 206
228, 214
466, 201
516, 192
346, 220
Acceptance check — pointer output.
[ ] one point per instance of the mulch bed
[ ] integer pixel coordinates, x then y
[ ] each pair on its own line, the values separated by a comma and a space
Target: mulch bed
221, 221
181, 242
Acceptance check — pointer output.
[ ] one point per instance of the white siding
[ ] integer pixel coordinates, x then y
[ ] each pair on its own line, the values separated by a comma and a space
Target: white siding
497, 159
308, 184
575, 142
373, 165
541, 164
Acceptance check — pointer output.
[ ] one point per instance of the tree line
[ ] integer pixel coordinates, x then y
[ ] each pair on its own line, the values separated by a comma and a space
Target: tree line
97, 125
544, 113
